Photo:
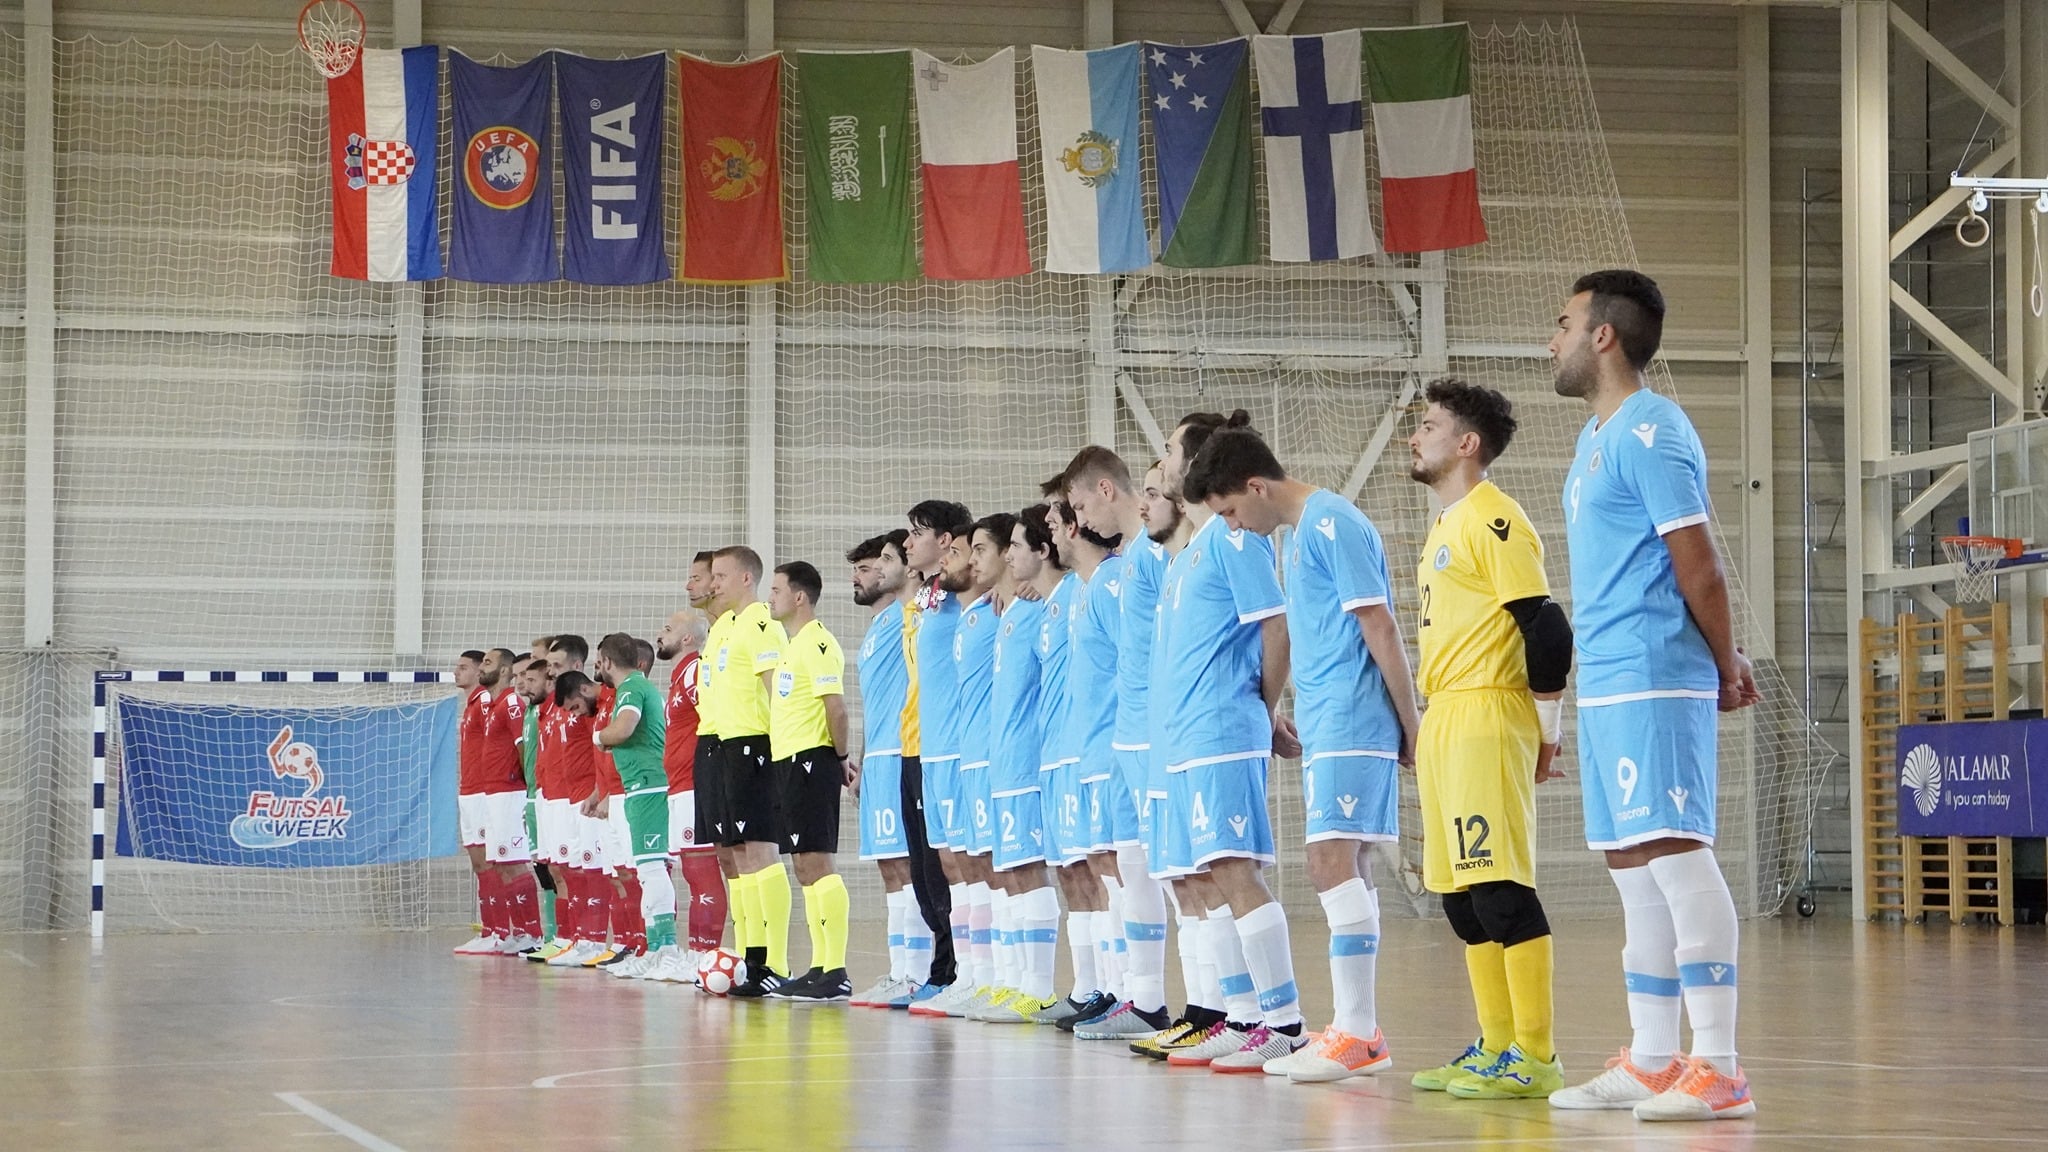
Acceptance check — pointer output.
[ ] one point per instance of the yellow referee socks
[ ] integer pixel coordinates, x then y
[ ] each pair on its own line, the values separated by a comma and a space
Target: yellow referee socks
1528, 967
1491, 996
772, 901
831, 913
815, 924
740, 895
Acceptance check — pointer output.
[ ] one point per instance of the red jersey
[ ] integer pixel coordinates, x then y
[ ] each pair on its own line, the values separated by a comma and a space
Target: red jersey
607, 772
679, 753
576, 768
469, 755
547, 759
504, 724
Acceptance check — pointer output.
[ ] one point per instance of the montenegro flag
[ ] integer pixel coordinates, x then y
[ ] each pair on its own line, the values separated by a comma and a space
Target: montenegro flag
732, 171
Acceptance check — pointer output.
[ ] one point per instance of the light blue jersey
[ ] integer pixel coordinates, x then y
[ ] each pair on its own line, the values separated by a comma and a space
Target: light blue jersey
1137, 595
1092, 671
1638, 476
938, 683
1217, 591
974, 667
1335, 565
884, 684
1055, 648
1014, 719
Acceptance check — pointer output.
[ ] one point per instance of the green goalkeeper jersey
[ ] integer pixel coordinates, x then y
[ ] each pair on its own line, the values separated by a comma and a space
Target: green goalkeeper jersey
529, 747
639, 758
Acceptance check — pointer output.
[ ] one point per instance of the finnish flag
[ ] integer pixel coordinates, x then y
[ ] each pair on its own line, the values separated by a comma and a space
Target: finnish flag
1312, 114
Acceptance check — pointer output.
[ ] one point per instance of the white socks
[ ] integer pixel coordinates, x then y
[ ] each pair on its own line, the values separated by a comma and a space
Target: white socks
1224, 951
1354, 914
898, 906
1263, 932
1081, 947
1197, 979
956, 898
1145, 929
981, 942
1703, 921
1038, 923
917, 939
1649, 966
1009, 956
1111, 953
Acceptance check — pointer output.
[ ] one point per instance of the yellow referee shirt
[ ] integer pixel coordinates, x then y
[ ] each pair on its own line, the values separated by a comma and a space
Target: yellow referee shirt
750, 646
810, 668
707, 702
912, 730
1481, 554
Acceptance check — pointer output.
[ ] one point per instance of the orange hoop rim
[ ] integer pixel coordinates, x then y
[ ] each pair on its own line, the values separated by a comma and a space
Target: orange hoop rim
328, 37
2012, 548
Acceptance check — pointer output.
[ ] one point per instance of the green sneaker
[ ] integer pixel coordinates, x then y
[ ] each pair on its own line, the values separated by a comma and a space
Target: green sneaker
1475, 1059
1512, 1077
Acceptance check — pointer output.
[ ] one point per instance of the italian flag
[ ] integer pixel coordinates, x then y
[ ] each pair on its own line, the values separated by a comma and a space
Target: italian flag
973, 193
1421, 84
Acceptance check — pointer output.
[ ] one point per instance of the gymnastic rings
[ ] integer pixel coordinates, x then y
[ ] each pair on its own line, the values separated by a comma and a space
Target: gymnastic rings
1963, 230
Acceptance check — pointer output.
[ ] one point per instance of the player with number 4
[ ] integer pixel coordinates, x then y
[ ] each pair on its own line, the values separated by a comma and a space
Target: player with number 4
1495, 652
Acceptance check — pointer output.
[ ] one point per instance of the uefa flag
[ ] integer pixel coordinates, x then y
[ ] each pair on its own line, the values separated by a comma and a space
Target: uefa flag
383, 116
504, 218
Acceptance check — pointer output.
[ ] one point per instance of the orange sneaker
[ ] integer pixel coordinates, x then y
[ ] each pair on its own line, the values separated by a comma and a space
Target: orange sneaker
1623, 1085
1701, 1093
1336, 1055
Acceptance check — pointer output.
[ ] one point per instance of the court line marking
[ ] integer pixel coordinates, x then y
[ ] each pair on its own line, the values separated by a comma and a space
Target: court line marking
335, 1124
1689, 1140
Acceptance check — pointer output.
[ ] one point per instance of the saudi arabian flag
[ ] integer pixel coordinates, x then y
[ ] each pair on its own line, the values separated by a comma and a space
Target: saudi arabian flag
1200, 103
857, 150
1421, 86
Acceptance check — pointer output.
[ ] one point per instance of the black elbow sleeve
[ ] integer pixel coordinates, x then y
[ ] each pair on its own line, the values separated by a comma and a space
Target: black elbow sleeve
1547, 636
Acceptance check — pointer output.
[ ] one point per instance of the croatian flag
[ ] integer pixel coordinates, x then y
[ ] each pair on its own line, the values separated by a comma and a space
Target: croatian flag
1088, 131
967, 143
383, 118
1311, 111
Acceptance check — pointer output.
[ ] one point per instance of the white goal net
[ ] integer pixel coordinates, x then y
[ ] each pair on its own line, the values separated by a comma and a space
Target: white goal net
227, 456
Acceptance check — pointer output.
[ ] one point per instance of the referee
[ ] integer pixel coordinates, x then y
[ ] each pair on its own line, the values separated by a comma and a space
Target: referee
807, 737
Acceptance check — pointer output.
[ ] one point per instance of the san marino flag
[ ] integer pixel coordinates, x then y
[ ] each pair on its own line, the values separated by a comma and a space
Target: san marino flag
383, 118
1088, 131
1421, 82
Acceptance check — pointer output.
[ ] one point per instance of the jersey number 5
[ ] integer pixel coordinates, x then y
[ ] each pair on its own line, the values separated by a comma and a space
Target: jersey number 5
1475, 824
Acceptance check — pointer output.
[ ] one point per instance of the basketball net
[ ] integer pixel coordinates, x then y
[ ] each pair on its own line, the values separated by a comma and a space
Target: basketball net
331, 32
1976, 559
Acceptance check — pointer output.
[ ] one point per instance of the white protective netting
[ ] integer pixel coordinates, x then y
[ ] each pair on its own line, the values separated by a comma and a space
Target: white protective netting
195, 721
227, 446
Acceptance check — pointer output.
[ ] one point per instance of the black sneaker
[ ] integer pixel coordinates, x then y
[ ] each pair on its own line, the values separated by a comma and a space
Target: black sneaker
1097, 1005
820, 987
619, 957
788, 989
760, 985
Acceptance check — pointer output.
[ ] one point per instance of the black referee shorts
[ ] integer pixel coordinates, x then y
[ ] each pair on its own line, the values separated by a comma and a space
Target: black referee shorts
709, 775
810, 782
752, 800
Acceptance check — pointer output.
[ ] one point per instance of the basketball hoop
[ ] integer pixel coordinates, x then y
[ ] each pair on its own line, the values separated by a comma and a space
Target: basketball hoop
331, 32
1976, 559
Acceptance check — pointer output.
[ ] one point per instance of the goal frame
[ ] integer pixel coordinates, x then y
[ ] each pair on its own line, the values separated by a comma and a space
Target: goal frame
105, 676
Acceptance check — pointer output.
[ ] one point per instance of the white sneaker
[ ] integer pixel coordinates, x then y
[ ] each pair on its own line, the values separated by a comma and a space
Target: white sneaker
482, 945
884, 990
655, 963
945, 1003
577, 956
631, 967
520, 945
1622, 1085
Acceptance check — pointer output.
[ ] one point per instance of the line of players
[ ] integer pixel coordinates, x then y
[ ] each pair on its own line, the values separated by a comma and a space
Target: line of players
1090, 696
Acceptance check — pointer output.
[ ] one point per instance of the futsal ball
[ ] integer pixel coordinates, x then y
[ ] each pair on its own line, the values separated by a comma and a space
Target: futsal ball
721, 971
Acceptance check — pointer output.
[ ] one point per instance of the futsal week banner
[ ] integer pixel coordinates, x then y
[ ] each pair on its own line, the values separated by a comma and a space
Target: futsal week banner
1200, 102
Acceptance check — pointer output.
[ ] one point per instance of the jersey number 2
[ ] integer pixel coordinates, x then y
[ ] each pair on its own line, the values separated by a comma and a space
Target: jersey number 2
1475, 824
1425, 605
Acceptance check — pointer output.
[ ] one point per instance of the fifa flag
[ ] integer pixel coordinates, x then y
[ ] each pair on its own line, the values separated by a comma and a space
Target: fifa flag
1088, 132
1200, 104
967, 142
383, 116
1422, 118
732, 171
856, 130
1312, 113
611, 168
504, 227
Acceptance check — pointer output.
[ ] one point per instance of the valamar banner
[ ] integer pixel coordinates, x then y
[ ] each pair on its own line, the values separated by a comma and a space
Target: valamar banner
287, 787
1977, 778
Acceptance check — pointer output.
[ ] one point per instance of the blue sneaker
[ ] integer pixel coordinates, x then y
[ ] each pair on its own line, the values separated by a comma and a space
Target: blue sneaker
911, 994
927, 992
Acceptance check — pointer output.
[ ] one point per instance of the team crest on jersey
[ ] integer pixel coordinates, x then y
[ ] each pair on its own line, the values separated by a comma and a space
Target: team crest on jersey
1443, 557
1593, 465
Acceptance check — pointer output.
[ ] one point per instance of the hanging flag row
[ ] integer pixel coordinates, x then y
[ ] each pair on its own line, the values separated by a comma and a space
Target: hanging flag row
855, 116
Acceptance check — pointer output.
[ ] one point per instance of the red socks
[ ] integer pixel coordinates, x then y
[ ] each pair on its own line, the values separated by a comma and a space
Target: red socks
627, 925
523, 897
496, 914
597, 908
706, 897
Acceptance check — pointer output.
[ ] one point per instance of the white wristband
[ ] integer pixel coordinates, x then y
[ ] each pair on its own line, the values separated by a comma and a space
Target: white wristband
1550, 718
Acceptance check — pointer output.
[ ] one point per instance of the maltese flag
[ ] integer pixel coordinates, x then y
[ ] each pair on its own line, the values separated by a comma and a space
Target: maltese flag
383, 116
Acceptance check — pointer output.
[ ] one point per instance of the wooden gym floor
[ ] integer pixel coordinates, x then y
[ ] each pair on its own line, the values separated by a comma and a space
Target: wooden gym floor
1855, 1036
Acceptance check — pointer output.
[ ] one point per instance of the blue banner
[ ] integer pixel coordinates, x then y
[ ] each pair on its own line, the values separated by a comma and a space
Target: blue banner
287, 787
504, 227
1978, 778
611, 168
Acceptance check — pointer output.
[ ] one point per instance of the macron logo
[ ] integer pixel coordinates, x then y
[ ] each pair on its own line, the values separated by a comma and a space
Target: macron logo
1347, 803
1237, 824
1647, 433
1717, 972
1678, 796
1237, 540
1327, 526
